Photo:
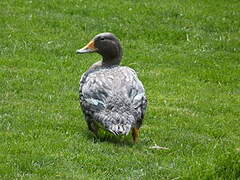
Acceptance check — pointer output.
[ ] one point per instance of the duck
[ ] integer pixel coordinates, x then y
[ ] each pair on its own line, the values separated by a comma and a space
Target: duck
111, 96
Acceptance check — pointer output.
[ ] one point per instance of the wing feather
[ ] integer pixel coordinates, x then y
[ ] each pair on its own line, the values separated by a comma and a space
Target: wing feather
99, 85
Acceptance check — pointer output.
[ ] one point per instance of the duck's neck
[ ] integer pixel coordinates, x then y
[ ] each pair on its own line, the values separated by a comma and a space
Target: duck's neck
104, 63
113, 56
111, 61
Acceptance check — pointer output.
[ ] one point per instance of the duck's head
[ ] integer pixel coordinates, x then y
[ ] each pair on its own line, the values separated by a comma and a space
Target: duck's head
107, 45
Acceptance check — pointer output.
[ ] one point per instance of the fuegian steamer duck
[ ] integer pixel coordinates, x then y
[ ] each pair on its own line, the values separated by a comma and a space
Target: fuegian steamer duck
111, 96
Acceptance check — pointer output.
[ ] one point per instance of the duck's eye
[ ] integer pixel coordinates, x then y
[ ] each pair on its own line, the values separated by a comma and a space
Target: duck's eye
102, 38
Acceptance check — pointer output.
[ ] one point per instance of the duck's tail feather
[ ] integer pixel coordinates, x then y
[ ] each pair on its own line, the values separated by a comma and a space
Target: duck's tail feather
115, 123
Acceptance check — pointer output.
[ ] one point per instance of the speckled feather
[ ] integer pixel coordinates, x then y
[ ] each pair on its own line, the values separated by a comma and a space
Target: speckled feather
112, 97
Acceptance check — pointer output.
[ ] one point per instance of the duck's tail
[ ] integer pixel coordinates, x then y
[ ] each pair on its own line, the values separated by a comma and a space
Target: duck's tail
118, 117
114, 122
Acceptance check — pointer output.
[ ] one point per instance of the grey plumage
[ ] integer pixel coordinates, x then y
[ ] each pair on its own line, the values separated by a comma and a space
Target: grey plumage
111, 96
114, 97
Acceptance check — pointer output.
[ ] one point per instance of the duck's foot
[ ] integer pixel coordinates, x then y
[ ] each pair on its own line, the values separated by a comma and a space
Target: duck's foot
135, 134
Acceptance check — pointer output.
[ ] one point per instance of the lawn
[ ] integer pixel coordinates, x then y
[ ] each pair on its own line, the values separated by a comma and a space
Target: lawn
187, 54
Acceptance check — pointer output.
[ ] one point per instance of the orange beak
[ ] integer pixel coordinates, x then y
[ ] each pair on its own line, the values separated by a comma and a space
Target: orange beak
90, 47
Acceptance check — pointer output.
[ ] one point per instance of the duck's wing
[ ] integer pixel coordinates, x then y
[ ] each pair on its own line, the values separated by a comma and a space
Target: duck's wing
137, 96
113, 96
92, 92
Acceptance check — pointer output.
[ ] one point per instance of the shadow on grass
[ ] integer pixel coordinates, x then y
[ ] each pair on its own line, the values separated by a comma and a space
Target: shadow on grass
228, 166
121, 140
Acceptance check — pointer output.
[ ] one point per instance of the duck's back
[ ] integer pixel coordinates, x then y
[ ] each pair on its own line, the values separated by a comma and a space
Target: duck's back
114, 97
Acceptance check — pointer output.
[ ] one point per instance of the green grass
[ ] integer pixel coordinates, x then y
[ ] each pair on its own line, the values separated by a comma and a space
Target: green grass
187, 53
